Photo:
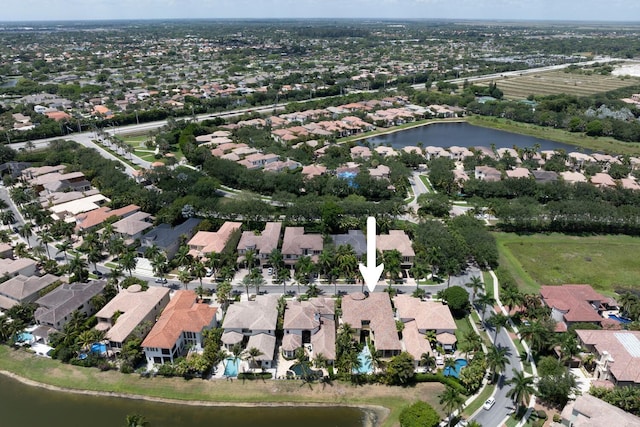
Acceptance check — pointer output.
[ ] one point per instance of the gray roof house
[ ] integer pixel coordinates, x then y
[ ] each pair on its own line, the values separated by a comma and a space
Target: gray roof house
355, 238
167, 238
56, 307
22, 289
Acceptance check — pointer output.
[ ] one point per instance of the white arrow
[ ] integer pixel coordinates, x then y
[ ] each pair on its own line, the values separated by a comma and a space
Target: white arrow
371, 273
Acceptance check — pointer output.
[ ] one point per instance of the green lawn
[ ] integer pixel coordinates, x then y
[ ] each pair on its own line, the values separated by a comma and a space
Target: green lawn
488, 283
605, 262
477, 403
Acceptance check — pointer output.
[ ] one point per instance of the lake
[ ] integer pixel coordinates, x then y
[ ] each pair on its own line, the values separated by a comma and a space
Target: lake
23, 405
464, 135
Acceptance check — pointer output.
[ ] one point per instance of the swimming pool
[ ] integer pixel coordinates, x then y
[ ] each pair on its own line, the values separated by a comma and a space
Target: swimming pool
349, 177
455, 372
619, 319
299, 371
231, 367
99, 348
364, 357
25, 337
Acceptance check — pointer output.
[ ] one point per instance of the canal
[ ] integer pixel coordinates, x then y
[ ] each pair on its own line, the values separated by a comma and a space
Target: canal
464, 135
23, 405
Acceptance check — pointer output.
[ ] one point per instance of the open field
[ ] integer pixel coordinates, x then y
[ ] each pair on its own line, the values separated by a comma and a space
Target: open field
606, 145
605, 262
221, 392
555, 82
141, 150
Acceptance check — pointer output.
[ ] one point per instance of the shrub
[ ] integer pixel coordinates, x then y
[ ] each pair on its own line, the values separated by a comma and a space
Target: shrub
254, 376
420, 414
557, 418
440, 378
542, 414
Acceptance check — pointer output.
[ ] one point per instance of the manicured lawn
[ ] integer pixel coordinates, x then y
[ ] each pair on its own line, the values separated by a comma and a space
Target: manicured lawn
427, 184
605, 262
488, 283
477, 403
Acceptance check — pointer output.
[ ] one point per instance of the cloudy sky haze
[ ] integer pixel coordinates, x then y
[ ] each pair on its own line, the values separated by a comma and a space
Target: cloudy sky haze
558, 10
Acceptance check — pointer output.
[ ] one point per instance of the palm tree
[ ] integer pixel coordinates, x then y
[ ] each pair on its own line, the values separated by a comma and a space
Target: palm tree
93, 256
511, 298
183, 257
223, 292
26, 231
522, 387
152, 252
346, 260
159, 265
276, 260
418, 271
185, 277
63, 247
475, 283
428, 360
7, 217
78, 267
450, 363
136, 420
497, 359
326, 260
320, 361
128, 261
198, 270
498, 321
252, 353
304, 267
451, 401
249, 259
283, 275
392, 264
537, 335
484, 301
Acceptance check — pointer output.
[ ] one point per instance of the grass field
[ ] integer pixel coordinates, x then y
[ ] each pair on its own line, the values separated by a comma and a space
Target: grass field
141, 150
555, 82
604, 262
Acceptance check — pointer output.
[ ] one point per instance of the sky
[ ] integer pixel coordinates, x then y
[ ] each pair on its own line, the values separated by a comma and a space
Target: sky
559, 10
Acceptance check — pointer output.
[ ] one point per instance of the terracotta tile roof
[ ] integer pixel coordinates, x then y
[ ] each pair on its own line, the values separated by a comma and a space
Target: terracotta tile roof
396, 239
306, 314
98, 216
574, 300
429, 315
376, 309
205, 242
182, 314
415, 343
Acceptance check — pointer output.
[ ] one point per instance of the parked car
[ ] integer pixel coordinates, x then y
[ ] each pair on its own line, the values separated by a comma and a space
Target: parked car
161, 280
97, 273
15, 230
270, 271
489, 403
209, 272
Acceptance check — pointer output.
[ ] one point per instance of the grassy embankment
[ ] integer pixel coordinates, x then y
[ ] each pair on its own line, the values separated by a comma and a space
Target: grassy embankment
605, 262
221, 392
604, 144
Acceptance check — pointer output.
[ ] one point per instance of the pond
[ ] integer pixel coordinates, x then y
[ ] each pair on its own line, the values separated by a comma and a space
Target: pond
464, 135
25, 405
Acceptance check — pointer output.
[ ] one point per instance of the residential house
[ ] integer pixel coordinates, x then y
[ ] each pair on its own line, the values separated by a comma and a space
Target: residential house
179, 328
56, 307
167, 238
311, 171
310, 324
419, 317
573, 177
617, 352
398, 240
23, 266
6, 250
95, 218
574, 304
355, 238
360, 152
380, 172
432, 152
603, 180
372, 318
131, 228
542, 176
460, 153
23, 290
385, 151
629, 183
517, 173
130, 309
262, 244
258, 160
253, 324
297, 244
589, 411
487, 173
205, 242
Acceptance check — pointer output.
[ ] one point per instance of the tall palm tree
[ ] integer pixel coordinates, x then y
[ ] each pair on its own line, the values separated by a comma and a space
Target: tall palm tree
159, 265
537, 335
198, 270
7, 217
78, 267
252, 353
498, 321
128, 261
64, 247
346, 260
392, 264
522, 387
185, 277
152, 252
418, 271
183, 257
428, 360
223, 292
214, 262
497, 359
304, 267
511, 298
476, 284
249, 259
451, 401
326, 260
26, 231
484, 301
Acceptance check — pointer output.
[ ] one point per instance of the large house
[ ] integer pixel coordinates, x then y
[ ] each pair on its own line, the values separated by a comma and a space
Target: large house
574, 304
355, 238
23, 290
130, 309
419, 317
310, 324
262, 244
398, 240
55, 308
589, 411
167, 238
297, 244
618, 354
95, 218
179, 328
206, 242
14, 267
372, 317
252, 324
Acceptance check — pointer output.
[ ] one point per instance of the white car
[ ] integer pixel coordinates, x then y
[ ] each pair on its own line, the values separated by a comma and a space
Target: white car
489, 403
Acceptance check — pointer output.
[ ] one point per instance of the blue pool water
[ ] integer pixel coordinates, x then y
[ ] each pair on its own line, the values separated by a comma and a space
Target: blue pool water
619, 319
297, 369
25, 337
98, 348
231, 367
365, 362
349, 177
449, 372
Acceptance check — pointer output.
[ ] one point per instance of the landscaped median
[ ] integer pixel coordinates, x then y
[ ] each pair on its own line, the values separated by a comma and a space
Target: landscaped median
383, 403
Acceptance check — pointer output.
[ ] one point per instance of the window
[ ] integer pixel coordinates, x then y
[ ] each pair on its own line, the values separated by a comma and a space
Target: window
165, 351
